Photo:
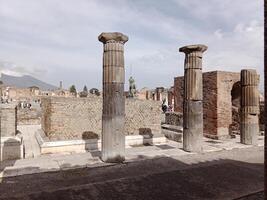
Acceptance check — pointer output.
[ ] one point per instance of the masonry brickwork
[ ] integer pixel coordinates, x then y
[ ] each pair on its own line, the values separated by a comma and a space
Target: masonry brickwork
68, 118
217, 101
27, 116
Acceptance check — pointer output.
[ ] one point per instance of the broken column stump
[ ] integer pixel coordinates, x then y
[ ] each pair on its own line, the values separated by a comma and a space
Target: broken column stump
193, 96
249, 110
113, 114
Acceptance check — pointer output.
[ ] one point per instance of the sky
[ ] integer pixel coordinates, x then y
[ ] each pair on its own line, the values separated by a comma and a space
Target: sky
56, 40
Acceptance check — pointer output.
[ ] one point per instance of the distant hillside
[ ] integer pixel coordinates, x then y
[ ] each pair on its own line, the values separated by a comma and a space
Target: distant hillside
25, 82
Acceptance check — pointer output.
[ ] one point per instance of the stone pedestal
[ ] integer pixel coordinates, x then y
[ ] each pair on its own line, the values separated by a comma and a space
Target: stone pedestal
249, 108
113, 116
8, 119
193, 96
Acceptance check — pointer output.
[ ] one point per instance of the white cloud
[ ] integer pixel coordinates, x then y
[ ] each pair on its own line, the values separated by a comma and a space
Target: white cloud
58, 39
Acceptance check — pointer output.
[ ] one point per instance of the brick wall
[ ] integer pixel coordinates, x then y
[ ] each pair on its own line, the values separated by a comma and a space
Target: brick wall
226, 80
68, 118
28, 116
217, 101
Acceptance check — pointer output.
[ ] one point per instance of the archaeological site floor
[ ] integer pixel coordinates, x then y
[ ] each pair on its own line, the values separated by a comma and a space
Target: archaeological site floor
226, 169
225, 174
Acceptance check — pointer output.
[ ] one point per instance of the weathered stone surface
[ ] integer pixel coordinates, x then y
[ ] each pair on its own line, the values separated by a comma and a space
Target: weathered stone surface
193, 126
174, 118
113, 113
29, 116
249, 111
192, 99
196, 49
193, 84
217, 101
249, 128
8, 120
114, 36
11, 148
68, 118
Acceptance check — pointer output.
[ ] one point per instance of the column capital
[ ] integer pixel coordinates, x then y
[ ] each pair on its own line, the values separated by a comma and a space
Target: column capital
112, 36
193, 48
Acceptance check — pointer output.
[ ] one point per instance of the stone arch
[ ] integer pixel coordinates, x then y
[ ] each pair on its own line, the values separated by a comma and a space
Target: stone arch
235, 99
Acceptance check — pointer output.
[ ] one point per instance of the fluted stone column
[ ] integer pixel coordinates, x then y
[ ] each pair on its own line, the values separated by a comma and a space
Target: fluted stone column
249, 110
113, 114
193, 96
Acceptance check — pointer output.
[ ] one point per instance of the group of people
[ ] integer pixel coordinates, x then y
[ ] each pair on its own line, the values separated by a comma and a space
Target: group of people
165, 107
24, 104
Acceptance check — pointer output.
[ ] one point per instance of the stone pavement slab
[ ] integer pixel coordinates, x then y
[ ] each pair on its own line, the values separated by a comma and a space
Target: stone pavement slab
227, 174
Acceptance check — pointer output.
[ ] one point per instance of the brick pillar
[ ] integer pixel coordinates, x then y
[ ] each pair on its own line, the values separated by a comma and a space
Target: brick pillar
193, 96
249, 108
113, 114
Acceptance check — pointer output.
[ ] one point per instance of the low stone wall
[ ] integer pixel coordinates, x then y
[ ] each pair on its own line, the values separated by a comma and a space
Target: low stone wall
75, 118
174, 118
29, 116
11, 148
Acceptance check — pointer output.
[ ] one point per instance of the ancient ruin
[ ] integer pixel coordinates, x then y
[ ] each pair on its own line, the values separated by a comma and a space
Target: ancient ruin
221, 94
249, 111
113, 140
192, 104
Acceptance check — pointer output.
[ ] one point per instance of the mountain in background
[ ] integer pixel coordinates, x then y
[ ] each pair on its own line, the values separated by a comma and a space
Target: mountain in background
25, 82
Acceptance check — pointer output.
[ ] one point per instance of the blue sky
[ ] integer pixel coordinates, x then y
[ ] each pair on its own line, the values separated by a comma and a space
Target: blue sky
56, 40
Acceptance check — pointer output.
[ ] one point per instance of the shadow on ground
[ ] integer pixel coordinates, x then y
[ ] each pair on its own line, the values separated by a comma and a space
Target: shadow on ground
162, 178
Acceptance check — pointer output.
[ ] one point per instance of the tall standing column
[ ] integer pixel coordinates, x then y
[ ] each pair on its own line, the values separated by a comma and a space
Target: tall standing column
113, 114
249, 113
193, 96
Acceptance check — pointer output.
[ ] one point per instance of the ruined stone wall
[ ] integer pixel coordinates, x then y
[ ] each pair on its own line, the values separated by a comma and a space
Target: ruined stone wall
69, 118
217, 101
178, 93
8, 118
28, 116
226, 81
209, 99
174, 118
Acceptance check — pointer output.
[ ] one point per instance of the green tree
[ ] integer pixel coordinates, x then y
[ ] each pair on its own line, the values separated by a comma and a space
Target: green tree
73, 89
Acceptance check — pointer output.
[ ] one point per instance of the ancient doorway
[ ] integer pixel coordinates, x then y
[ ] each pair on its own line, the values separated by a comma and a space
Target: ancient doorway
235, 96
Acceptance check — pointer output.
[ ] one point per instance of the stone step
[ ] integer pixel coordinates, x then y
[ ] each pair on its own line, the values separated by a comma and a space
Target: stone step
173, 135
174, 128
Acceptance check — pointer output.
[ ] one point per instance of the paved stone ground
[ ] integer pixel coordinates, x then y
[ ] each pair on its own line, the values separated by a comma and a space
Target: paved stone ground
255, 196
226, 174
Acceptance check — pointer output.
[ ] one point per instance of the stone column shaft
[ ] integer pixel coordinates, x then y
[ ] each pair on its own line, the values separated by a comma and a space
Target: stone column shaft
249, 110
113, 114
193, 96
